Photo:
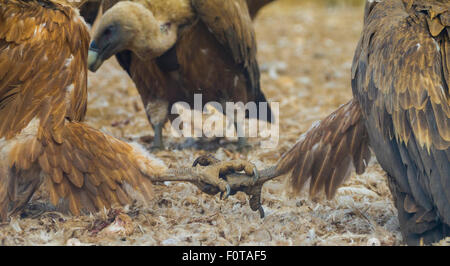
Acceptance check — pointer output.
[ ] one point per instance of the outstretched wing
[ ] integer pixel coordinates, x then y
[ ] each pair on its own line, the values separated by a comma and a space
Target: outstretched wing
400, 76
327, 151
231, 24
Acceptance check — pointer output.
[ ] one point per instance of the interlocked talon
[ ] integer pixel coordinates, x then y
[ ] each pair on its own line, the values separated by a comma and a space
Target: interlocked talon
249, 183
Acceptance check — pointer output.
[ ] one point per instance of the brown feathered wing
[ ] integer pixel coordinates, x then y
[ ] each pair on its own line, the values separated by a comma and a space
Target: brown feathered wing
42, 96
231, 24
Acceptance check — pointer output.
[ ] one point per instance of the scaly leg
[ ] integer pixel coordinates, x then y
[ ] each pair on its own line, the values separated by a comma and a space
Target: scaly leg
158, 140
157, 114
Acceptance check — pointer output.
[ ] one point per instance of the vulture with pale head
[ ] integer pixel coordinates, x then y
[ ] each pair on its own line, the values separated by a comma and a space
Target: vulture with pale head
400, 109
43, 97
174, 49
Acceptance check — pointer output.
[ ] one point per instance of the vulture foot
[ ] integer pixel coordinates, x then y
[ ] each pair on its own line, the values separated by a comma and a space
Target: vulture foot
228, 171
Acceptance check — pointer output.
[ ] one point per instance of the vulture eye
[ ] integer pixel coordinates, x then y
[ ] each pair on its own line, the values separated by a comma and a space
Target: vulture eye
108, 32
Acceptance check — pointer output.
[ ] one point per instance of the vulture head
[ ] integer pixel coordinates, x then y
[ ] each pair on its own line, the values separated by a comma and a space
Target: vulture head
130, 26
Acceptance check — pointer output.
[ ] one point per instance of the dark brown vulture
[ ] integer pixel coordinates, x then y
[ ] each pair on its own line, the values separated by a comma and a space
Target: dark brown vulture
400, 109
43, 96
173, 49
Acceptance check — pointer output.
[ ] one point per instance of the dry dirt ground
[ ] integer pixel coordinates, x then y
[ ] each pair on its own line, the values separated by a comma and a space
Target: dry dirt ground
305, 53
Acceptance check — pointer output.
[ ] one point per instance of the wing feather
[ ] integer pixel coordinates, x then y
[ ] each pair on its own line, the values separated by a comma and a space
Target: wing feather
231, 24
327, 151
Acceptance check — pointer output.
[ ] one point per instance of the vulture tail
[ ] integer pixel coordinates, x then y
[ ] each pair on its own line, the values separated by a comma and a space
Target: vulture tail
326, 152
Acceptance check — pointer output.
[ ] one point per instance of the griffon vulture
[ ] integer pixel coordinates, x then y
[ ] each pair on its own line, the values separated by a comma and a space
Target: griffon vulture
401, 110
173, 49
43, 95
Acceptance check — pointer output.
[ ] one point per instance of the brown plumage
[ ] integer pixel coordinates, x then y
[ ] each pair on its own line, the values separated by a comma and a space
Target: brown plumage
174, 49
400, 77
89, 8
401, 109
43, 95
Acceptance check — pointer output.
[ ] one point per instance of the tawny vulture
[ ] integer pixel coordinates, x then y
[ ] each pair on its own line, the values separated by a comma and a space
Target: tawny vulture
173, 49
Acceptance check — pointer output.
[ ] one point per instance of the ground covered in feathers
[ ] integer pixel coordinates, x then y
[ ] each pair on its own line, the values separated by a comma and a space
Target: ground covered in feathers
305, 54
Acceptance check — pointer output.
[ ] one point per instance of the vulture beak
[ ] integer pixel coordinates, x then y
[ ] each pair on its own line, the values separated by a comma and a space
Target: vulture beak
94, 58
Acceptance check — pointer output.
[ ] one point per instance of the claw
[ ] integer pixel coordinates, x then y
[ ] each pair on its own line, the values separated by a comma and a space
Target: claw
255, 174
227, 194
196, 162
228, 191
261, 212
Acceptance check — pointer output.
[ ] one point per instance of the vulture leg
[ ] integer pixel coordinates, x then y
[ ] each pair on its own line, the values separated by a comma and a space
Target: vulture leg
157, 114
158, 140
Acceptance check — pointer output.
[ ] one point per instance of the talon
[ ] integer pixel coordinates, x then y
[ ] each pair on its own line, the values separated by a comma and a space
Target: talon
261, 212
255, 174
196, 162
228, 191
227, 194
